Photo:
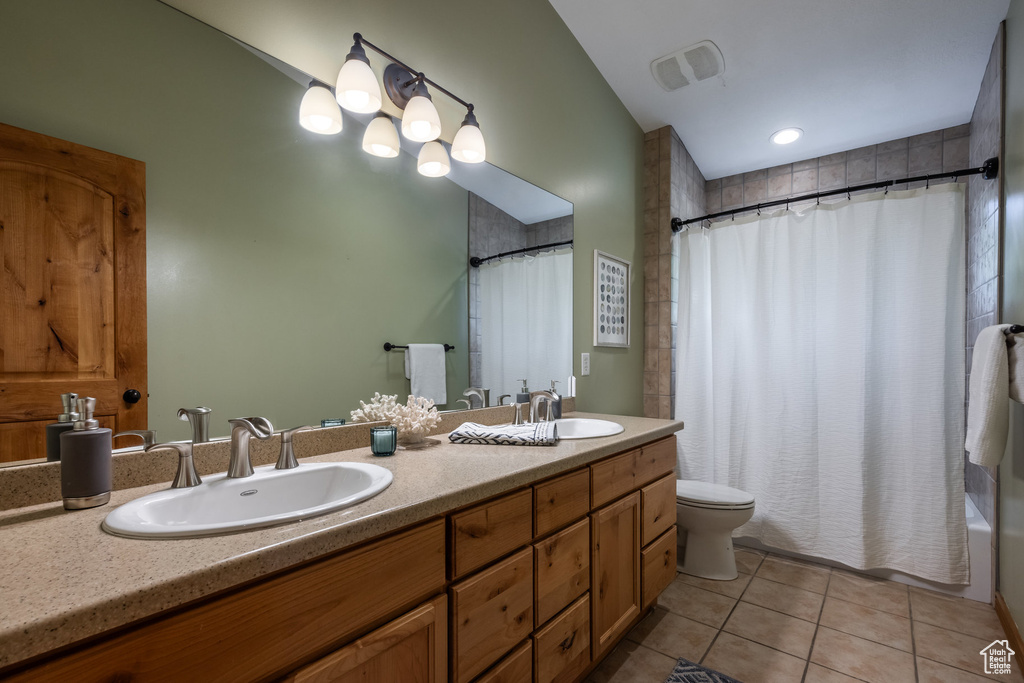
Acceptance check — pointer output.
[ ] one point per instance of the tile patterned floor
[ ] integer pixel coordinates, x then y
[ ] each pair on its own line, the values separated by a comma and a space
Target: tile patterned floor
787, 621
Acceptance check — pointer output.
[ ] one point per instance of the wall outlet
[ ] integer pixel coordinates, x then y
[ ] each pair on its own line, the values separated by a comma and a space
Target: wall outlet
584, 364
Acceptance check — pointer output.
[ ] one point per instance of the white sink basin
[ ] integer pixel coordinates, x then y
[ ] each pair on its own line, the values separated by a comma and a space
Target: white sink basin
586, 428
220, 505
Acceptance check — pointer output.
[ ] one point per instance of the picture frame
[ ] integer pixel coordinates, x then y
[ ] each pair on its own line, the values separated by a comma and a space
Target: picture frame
611, 300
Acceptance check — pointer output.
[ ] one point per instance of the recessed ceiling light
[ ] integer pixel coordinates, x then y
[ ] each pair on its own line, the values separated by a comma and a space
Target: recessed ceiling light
786, 136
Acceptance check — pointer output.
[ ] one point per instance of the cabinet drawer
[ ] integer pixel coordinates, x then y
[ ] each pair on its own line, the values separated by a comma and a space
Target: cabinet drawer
265, 630
484, 533
657, 458
562, 569
614, 477
516, 668
492, 612
659, 566
561, 650
561, 501
658, 508
413, 648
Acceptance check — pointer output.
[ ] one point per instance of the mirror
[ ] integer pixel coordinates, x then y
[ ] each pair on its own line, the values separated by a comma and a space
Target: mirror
278, 261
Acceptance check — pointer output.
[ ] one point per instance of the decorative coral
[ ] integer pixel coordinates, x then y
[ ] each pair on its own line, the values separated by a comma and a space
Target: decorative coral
414, 420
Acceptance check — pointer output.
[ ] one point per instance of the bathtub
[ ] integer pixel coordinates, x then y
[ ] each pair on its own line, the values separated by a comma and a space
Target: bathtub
979, 546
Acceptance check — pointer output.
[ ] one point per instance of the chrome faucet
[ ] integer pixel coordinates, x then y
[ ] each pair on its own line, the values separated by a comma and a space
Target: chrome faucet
186, 477
286, 459
483, 394
538, 397
148, 436
242, 428
469, 404
502, 398
199, 419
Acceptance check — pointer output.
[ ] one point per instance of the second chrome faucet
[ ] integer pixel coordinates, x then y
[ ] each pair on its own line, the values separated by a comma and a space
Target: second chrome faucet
242, 429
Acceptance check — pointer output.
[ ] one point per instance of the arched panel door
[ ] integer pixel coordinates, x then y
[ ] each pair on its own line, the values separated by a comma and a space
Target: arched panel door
72, 286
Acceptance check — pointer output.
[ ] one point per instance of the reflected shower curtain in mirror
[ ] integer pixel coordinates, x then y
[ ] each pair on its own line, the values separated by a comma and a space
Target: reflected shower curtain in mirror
820, 367
526, 322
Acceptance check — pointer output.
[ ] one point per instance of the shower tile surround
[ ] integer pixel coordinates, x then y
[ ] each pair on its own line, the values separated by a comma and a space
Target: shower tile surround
669, 191
788, 621
492, 231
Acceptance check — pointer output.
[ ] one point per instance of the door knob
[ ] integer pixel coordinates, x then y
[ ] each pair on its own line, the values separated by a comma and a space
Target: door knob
132, 396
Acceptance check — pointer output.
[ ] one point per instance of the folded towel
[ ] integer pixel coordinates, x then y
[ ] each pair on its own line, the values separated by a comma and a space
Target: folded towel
988, 411
425, 370
535, 434
1015, 351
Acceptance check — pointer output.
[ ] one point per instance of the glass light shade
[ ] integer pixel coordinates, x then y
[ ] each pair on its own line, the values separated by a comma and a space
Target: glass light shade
420, 123
318, 111
433, 160
381, 138
358, 89
468, 145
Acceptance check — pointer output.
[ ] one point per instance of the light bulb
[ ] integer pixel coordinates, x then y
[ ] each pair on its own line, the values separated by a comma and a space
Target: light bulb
468, 145
358, 89
381, 137
433, 160
318, 111
420, 123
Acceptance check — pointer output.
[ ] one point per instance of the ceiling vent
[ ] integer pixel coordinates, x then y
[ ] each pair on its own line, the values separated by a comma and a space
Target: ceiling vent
697, 62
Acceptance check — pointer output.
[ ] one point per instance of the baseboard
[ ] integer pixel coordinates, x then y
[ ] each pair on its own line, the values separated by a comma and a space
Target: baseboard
1009, 625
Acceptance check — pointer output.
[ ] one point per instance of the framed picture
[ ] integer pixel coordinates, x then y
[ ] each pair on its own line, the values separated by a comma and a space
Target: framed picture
611, 300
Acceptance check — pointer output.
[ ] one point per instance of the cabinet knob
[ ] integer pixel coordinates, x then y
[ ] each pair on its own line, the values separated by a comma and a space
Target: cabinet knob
132, 396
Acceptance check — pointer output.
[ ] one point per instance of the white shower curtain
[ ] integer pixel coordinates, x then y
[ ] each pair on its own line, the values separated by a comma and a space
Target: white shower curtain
820, 367
526, 322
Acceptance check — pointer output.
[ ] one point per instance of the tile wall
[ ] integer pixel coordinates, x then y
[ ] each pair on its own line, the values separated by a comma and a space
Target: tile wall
673, 186
983, 245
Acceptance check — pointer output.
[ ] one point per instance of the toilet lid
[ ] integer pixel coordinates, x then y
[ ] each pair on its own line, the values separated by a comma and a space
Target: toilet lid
711, 494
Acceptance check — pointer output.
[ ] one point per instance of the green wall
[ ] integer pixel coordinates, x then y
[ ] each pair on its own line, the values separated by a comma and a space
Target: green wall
278, 260
1011, 472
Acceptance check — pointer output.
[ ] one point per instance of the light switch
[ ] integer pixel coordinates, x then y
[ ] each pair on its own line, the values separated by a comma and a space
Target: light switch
584, 364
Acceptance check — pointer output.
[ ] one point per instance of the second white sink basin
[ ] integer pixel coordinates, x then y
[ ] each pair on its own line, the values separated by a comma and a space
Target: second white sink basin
586, 428
220, 505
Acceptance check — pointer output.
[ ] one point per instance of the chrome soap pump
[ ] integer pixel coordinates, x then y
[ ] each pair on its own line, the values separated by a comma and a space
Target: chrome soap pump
85, 463
65, 422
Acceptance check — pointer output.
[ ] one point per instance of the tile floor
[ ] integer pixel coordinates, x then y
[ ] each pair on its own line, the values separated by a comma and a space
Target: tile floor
787, 621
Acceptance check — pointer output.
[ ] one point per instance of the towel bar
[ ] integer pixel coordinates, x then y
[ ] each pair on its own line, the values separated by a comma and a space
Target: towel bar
388, 346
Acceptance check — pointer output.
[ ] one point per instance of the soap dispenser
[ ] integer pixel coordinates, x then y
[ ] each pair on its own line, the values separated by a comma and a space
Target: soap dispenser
555, 406
524, 395
85, 463
65, 421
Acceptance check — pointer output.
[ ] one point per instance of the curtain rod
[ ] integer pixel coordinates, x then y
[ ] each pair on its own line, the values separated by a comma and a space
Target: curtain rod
476, 261
988, 170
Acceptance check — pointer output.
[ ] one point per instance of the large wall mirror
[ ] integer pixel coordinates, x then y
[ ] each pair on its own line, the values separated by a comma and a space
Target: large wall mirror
278, 261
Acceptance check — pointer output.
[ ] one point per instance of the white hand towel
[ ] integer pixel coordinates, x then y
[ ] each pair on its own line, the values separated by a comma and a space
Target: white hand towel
1015, 351
534, 434
425, 369
988, 412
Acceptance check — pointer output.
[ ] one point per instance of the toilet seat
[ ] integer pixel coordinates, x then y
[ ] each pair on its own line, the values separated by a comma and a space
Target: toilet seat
702, 494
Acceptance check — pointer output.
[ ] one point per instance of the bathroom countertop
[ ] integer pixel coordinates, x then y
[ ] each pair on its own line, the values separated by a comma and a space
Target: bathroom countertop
63, 579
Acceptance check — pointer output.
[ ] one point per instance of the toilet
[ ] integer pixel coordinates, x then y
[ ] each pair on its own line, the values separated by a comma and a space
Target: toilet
707, 514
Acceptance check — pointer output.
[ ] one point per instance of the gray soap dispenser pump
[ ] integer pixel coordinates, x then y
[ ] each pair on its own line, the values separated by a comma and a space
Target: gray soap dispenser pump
524, 395
85, 462
65, 422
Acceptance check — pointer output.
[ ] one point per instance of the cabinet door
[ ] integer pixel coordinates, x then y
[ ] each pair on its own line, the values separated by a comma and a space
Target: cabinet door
411, 649
615, 571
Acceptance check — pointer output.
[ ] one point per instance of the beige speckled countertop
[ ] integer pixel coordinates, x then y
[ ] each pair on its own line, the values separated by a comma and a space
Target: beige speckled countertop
63, 579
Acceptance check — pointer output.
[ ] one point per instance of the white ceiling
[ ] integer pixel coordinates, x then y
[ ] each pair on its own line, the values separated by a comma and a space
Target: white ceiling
849, 73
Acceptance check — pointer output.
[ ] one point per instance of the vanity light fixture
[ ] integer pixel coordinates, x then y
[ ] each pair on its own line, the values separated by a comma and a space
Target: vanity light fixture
319, 111
433, 160
381, 137
359, 91
786, 136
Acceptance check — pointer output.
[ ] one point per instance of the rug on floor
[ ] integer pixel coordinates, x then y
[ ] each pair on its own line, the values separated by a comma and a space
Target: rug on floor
688, 672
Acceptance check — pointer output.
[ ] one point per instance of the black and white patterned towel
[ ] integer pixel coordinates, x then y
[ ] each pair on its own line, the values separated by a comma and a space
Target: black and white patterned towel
536, 434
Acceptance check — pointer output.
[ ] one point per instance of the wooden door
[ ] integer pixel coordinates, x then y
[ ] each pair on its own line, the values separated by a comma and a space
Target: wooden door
615, 567
72, 287
411, 649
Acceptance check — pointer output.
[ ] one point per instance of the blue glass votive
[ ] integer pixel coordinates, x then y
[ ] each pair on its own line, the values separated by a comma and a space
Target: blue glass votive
383, 440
